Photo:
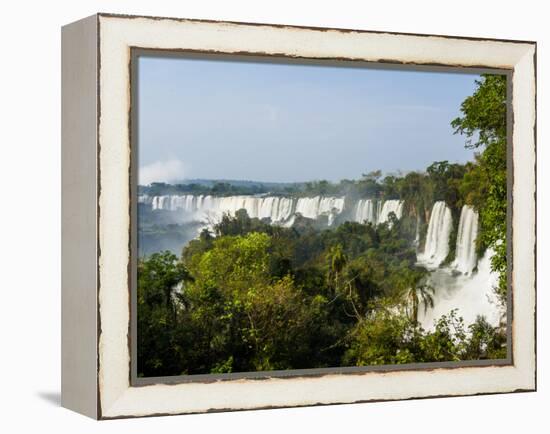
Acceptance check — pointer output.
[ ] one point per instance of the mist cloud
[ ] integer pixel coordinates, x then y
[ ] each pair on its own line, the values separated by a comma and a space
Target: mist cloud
161, 171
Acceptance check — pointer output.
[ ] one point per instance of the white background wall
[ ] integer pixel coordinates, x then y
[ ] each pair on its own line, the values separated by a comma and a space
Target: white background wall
30, 216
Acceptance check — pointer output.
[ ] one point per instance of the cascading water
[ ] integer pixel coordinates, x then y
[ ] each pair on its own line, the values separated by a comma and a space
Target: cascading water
277, 208
389, 206
466, 258
437, 239
313, 207
365, 211
471, 294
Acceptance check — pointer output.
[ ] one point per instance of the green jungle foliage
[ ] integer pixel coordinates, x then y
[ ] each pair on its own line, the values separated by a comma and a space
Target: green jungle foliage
250, 296
485, 183
258, 297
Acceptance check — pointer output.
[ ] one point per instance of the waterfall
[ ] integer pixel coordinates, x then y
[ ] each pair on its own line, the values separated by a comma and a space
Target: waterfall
277, 208
437, 238
161, 202
280, 210
365, 211
313, 207
145, 199
465, 259
389, 206
470, 293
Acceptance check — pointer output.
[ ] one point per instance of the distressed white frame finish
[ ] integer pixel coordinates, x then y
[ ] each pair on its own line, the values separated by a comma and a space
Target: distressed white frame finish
106, 391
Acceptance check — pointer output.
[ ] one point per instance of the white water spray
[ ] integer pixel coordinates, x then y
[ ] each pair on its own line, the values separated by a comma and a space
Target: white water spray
471, 295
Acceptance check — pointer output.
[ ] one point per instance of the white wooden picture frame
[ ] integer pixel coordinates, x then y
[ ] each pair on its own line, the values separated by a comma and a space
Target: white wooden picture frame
96, 256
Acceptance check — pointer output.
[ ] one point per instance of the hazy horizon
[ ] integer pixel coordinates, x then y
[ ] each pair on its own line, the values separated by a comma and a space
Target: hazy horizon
256, 181
292, 123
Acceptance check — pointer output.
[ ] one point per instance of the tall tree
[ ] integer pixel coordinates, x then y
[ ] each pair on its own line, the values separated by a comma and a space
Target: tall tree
417, 292
337, 260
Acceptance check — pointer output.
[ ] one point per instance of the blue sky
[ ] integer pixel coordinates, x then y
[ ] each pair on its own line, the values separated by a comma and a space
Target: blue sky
286, 122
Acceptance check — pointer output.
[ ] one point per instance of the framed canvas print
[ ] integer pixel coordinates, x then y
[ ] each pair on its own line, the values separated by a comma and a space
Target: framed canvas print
262, 216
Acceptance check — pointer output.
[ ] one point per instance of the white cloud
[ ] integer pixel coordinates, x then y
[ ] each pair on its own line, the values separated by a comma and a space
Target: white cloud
161, 171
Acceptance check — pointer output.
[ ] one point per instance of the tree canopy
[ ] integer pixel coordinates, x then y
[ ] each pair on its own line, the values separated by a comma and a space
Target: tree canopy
257, 297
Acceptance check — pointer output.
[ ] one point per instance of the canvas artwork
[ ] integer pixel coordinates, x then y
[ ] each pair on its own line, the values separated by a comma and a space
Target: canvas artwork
262, 216
298, 215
